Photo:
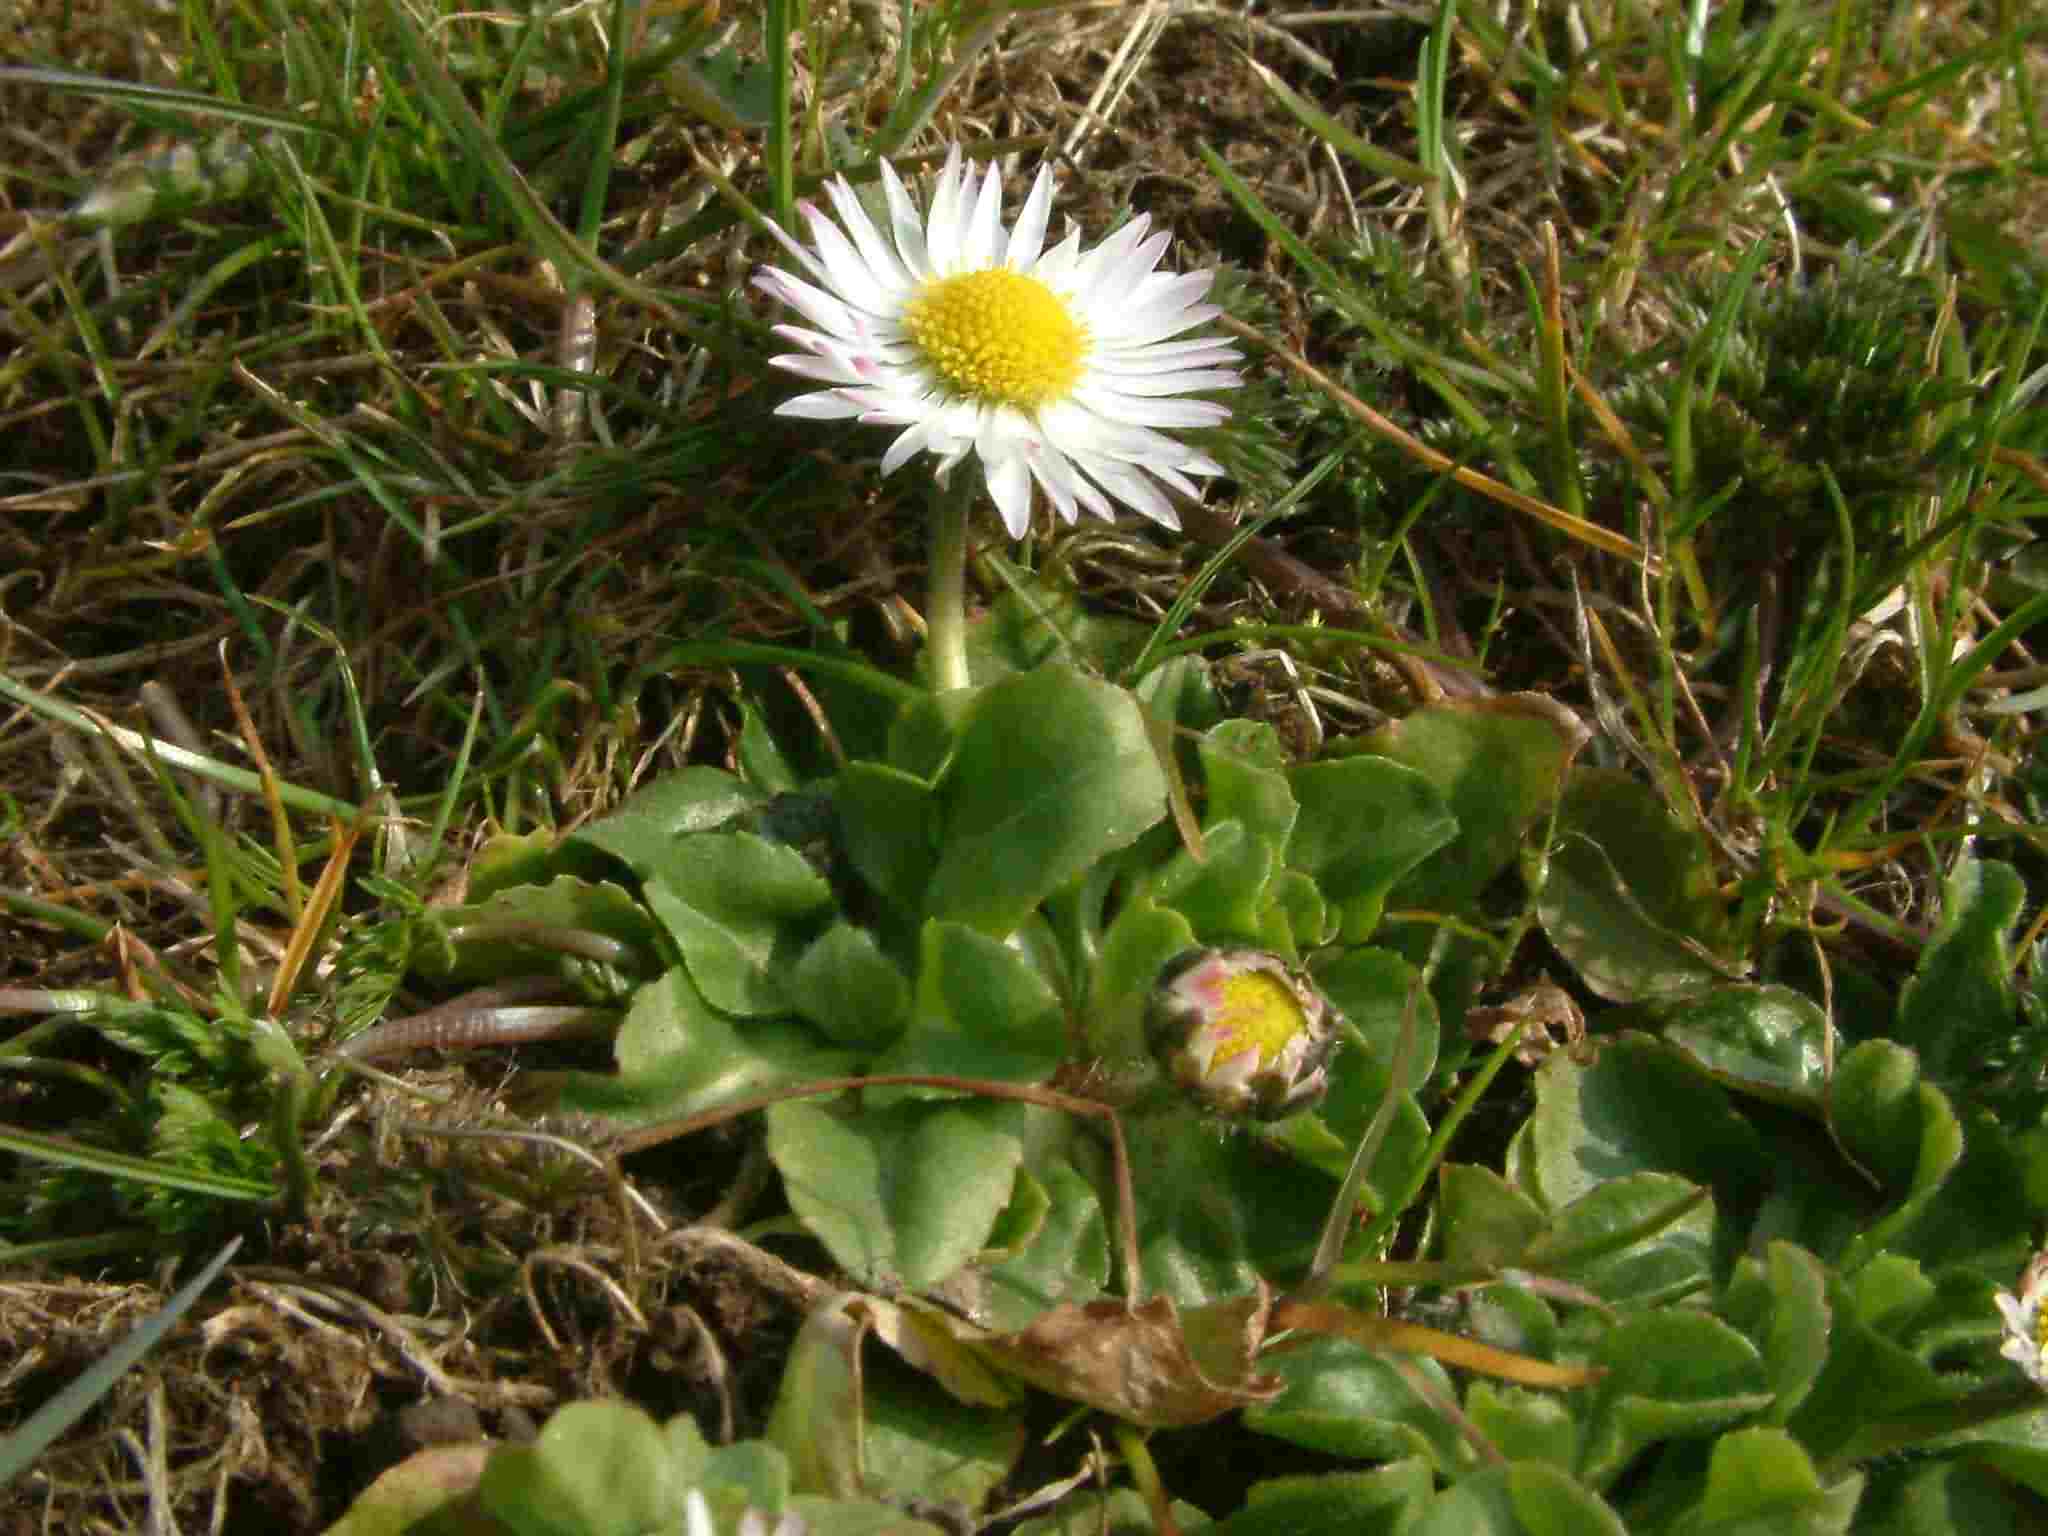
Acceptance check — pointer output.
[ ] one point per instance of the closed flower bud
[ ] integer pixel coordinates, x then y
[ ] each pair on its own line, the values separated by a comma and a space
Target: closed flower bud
1242, 1032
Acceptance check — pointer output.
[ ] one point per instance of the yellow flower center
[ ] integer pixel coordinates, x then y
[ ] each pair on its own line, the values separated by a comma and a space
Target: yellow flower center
1260, 1013
999, 337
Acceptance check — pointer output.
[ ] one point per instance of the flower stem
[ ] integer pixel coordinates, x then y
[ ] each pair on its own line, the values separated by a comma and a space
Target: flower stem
946, 613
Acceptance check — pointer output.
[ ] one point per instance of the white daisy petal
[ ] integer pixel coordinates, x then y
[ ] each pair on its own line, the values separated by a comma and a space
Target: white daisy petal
942, 223
1120, 407
852, 278
905, 227
1027, 240
1178, 381
1089, 271
1056, 267
981, 243
1150, 362
882, 263
1131, 488
830, 364
1118, 285
913, 440
823, 406
1051, 470
1009, 487
1171, 476
814, 304
1066, 371
1190, 285
950, 458
1140, 324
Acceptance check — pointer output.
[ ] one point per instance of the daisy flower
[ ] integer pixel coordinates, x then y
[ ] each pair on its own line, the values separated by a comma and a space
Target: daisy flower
1058, 368
2026, 1330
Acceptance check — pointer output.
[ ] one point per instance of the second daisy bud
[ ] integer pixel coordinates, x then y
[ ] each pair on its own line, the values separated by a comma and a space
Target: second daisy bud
1242, 1032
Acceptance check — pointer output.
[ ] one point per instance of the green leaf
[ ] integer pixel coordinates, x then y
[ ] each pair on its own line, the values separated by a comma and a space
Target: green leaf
1524, 1425
1364, 822
597, 1469
1890, 1293
1345, 1399
749, 1474
853, 992
1868, 1376
1511, 1317
1053, 771
1962, 993
1525, 1498
1768, 1042
1989, 1207
1945, 1498
2017, 1448
1120, 1512
507, 859
1222, 894
675, 805
1370, 987
1670, 1373
1067, 1261
482, 942
739, 907
1244, 773
1781, 1305
405, 1497
1036, 623
1217, 1211
761, 757
816, 1420
1761, 1482
1876, 1109
1135, 950
889, 821
1181, 692
982, 1010
1296, 917
1498, 763
1381, 1502
1549, 1502
902, 1196
677, 1056
1629, 896
845, 1517
1641, 1239
1899, 1128
1483, 1219
924, 1444
1638, 1108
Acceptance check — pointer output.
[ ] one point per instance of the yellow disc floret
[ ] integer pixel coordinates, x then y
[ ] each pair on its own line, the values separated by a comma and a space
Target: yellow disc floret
999, 337
1260, 1013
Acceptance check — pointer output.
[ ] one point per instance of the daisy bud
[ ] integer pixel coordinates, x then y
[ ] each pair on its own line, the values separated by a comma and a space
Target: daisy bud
1242, 1032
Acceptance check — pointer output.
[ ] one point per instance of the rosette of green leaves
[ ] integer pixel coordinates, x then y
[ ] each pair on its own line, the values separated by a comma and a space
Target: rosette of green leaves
992, 899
